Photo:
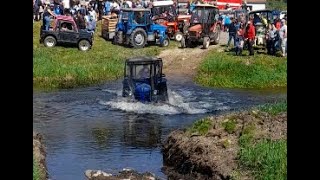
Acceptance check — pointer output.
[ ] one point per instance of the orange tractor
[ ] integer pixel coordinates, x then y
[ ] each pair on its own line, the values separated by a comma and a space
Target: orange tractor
164, 13
204, 27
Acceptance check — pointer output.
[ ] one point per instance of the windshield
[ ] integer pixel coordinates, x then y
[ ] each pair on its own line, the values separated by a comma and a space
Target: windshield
158, 10
124, 16
203, 15
140, 71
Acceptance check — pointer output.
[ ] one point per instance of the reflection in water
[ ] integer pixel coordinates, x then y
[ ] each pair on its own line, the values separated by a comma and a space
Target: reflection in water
101, 135
141, 131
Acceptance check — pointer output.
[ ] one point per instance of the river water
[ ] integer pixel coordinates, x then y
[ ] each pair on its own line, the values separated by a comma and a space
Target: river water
95, 128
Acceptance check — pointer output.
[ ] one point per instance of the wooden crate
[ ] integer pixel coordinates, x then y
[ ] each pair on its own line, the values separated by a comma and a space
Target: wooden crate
108, 23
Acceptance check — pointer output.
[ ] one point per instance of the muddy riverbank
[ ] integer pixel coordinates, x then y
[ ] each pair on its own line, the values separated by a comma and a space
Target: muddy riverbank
39, 158
210, 149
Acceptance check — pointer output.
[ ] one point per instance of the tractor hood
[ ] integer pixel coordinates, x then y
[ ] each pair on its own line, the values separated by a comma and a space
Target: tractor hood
196, 28
159, 27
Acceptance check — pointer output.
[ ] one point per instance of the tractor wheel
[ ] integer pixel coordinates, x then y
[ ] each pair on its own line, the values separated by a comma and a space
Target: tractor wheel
217, 36
84, 45
165, 42
178, 36
183, 42
138, 38
50, 41
206, 42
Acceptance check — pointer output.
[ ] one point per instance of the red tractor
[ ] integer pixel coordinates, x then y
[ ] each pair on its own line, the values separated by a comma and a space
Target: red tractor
164, 13
204, 27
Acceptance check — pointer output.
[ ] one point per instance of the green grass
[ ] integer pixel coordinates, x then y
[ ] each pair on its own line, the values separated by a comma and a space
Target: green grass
274, 108
200, 127
36, 172
224, 69
267, 159
229, 125
67, 67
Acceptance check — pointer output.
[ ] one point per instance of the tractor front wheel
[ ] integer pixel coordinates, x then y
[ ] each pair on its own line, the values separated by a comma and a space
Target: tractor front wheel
138, 38
178, 36
165, 42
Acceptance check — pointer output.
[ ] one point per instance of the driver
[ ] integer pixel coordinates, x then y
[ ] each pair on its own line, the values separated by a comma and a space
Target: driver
144, 72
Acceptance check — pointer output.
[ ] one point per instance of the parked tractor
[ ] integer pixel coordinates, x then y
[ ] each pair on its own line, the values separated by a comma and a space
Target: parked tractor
65, 31
165, 13
144, 81
136, 29
204, 27
261, 19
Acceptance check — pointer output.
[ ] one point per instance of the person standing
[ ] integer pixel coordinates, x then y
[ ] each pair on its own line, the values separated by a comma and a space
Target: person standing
47, 13
271, 39
232, 33
249, 36
239, 41
283, 37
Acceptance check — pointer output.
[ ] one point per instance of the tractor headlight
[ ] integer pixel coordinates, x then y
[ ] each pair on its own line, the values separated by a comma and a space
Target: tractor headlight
155, 92
130, 93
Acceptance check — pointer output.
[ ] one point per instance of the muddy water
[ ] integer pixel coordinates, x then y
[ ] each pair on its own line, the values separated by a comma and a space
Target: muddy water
94, 128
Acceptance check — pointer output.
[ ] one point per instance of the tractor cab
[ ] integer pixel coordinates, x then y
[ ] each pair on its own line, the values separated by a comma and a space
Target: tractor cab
144, 80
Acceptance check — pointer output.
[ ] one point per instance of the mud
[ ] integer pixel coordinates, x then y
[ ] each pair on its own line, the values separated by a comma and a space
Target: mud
184, 62
214, 156
39, 155
125, 174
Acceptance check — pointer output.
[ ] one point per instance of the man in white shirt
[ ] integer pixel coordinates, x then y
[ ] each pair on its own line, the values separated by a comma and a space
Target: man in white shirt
66, 4
283, 37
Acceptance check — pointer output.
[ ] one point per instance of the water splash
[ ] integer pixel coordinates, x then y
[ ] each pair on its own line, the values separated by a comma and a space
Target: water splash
179, 103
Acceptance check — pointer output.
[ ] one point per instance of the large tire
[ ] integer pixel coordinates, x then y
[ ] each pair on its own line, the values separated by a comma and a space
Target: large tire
84, 45
216, 39
49, 41
138, 38
165, 42
206, 42
183, 42
178, 36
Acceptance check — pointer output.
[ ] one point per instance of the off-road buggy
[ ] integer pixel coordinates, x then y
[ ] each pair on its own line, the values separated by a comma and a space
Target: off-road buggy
65, 31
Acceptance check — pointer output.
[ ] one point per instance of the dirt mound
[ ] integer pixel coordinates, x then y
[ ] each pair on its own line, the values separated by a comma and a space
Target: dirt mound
214, 156
124, 174
39, 155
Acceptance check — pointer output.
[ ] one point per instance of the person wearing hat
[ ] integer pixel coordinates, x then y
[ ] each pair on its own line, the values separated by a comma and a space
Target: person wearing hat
283, 37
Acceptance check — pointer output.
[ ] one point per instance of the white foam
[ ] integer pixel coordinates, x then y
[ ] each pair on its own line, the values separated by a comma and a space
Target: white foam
176, 105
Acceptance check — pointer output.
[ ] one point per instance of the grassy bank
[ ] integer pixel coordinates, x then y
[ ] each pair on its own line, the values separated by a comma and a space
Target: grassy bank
224, 69
250, 144
36, 172
67, 67
266, 158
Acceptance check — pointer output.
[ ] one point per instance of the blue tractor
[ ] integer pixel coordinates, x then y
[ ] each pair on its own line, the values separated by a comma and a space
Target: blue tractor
144, 81
136, 29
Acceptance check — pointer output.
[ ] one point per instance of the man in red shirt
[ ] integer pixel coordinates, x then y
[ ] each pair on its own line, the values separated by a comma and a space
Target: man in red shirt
249, 36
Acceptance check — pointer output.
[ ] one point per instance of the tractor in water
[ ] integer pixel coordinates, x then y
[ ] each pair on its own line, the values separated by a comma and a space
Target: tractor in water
144, 81
135, 28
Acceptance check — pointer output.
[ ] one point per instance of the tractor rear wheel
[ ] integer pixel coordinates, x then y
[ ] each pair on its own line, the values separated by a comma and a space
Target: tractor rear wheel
138, 38
217, 35
183, 42
206, 42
